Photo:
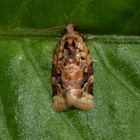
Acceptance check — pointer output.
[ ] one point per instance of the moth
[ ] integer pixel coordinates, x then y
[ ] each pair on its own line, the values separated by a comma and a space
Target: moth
72, 73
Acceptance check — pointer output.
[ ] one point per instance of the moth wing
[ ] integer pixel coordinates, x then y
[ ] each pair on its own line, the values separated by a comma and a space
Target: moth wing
59, 100
81, 95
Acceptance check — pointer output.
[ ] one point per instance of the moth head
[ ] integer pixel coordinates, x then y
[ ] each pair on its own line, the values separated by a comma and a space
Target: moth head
71, 28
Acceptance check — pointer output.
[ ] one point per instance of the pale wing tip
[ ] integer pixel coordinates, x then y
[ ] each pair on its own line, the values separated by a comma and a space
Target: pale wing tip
81, 106
83, 103
59, 104
86, 106
59, 107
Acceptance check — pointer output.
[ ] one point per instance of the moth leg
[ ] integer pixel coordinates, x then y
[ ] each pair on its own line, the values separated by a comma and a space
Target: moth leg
90, 37
51, 60
94, 60
59, 103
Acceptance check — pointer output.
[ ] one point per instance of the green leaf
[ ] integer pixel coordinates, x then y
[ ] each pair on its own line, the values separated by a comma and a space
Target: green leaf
26, 88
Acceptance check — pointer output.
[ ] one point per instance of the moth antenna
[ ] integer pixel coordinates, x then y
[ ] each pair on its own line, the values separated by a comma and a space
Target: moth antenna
49, 29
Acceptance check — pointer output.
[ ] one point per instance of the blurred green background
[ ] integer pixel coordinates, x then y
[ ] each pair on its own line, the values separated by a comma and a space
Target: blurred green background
26, 88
